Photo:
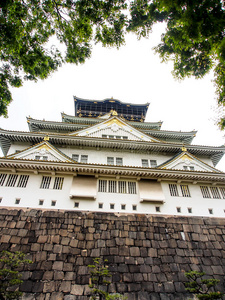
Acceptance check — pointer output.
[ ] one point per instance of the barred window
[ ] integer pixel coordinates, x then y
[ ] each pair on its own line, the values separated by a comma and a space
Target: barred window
222, 190
110, 160
173, 189
132, 187
45, 183
41, 202
185, 191
2, 179
119, 161
144, 163
11, 180
58, 184
53, 203
205, 192
215, 192
123, 206
102, 186
84, 159
75, 157
23, 181
112, 186
153, 163
122, 187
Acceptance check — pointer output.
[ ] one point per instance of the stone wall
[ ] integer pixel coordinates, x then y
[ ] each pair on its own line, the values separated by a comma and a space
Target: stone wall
147, 254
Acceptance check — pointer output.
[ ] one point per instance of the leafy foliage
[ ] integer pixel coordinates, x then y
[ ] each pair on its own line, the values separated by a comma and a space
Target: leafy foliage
194, 38
10, 278
202, 288
27, 28
100, 276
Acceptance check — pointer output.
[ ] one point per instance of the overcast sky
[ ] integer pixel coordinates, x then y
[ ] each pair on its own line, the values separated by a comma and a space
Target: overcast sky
132, 74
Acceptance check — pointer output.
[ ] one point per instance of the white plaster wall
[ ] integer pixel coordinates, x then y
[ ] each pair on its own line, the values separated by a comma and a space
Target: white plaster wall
31, 195
17, 146
100, 156
129, 158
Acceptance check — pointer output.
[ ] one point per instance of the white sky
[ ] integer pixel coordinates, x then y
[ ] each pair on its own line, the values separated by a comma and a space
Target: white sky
131, 74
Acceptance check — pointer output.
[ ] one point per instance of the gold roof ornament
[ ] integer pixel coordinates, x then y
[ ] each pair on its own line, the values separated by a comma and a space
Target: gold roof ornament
46, 138
114, 113
184, 149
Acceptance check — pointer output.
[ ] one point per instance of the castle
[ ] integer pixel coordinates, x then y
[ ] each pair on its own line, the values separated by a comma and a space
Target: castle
106, 158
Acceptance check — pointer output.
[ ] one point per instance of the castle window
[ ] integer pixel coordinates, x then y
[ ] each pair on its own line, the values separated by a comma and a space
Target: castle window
210, 211
123, 206
112, 186
41, 202
102, 186
191, 168
11, 180
189, 210
53, 203
23, 181
222, 190
122, 187
185, 191
132, 187
112, 205
144, 163
134, 207
84, 159
2, 179
153, 163
0, 199
76, 204
215, 192
17, 201
58, 183
205, 192
110, 160
37, 157
157, 208
75, 157
173, 190
45, 183
179, 209
119, 161
100, 205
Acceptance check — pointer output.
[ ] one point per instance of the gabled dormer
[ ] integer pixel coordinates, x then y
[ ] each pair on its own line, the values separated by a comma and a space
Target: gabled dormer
187, 162
43, 151
114, 128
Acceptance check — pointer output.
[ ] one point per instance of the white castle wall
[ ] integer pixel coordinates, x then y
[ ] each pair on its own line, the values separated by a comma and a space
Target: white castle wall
30, 196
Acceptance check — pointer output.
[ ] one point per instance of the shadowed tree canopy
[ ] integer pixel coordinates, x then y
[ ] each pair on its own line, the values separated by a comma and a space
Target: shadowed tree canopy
194, 37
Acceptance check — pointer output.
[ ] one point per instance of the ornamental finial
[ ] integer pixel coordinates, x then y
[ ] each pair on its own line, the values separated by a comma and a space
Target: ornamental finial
46, 138
184, 149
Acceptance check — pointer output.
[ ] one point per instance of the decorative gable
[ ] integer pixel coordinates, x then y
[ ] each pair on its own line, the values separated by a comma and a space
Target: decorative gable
115, 128
43, 151
188, 162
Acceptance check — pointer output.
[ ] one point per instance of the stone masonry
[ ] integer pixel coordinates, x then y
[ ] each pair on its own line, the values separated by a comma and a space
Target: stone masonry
147, 254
